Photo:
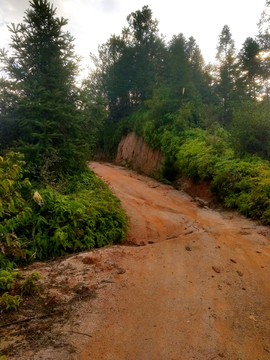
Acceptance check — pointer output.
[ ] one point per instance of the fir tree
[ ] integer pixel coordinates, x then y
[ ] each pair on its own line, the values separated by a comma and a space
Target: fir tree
227, 74
45, 121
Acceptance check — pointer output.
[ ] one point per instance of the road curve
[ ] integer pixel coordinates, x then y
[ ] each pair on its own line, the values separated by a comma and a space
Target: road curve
198, 289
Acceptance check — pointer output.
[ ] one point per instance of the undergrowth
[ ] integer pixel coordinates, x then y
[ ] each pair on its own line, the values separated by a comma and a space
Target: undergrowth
41, 223
239, 179
241, 183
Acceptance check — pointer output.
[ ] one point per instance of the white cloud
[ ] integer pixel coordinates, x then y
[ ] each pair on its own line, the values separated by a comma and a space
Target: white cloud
92, 22
109, 6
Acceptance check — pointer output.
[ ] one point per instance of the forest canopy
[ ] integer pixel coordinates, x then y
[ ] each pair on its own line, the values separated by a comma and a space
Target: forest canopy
210, 121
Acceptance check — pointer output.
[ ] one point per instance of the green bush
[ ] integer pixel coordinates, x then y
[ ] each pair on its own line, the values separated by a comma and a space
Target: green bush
12, 302
12, 185
201, 151
46, 223
88, 216
250, 128
7, 279
241, 183
78, 214
28, 285
244, 185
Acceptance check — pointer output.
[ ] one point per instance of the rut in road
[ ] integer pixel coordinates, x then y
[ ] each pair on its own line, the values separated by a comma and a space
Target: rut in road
199, 289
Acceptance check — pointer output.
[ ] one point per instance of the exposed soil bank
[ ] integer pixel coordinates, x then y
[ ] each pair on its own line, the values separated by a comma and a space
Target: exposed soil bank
133, 151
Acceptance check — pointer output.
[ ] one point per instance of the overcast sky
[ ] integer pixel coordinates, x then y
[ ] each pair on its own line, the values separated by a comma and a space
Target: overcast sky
92, 22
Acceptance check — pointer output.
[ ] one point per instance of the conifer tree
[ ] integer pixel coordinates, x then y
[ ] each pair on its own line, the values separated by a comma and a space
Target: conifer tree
45, 121
128, 65
263, 39
251, 66
226, 57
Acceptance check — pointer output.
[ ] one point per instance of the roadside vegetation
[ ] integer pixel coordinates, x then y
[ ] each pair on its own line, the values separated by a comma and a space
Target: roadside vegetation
211, 122
51, 204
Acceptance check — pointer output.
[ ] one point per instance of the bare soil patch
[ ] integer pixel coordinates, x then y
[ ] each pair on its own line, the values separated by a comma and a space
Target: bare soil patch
195, 285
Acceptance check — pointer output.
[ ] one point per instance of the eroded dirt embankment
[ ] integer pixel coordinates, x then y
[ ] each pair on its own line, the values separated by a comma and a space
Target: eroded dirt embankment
196, 286
133, 151
136, 154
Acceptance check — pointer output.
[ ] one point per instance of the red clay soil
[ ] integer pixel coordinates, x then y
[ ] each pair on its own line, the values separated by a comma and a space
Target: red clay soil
196, 286
199, 289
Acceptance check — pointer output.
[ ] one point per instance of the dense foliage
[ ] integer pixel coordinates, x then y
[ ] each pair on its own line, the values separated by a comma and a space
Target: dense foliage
48, 131
211, 122
43, 113
41, 223
44, 223
242, 183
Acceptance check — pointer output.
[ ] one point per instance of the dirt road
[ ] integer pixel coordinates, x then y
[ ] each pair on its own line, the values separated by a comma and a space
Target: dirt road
199, 289
196, 287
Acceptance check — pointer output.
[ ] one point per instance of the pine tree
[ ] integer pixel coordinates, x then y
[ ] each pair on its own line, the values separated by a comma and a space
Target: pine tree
251, 67
45, 121
263, 39
129, 65
226, 57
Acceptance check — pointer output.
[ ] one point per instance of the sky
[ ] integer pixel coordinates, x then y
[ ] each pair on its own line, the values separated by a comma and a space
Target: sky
92, 22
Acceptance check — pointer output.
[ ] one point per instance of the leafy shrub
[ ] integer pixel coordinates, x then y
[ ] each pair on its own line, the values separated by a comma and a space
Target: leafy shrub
45, 223
201, 151
231, 177
146, 126
241, 183
7, 279
12, 185
251, 128
196, 160
11, 302
245, 185
151, 135
87, 216
28, 285
170, 144
13, 205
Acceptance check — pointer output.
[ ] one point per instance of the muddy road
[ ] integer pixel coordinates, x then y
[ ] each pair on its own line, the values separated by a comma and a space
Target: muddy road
198, 289
194, 285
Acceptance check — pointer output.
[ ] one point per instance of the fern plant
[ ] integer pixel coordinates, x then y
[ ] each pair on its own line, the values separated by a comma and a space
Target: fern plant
12, 302
7, 279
